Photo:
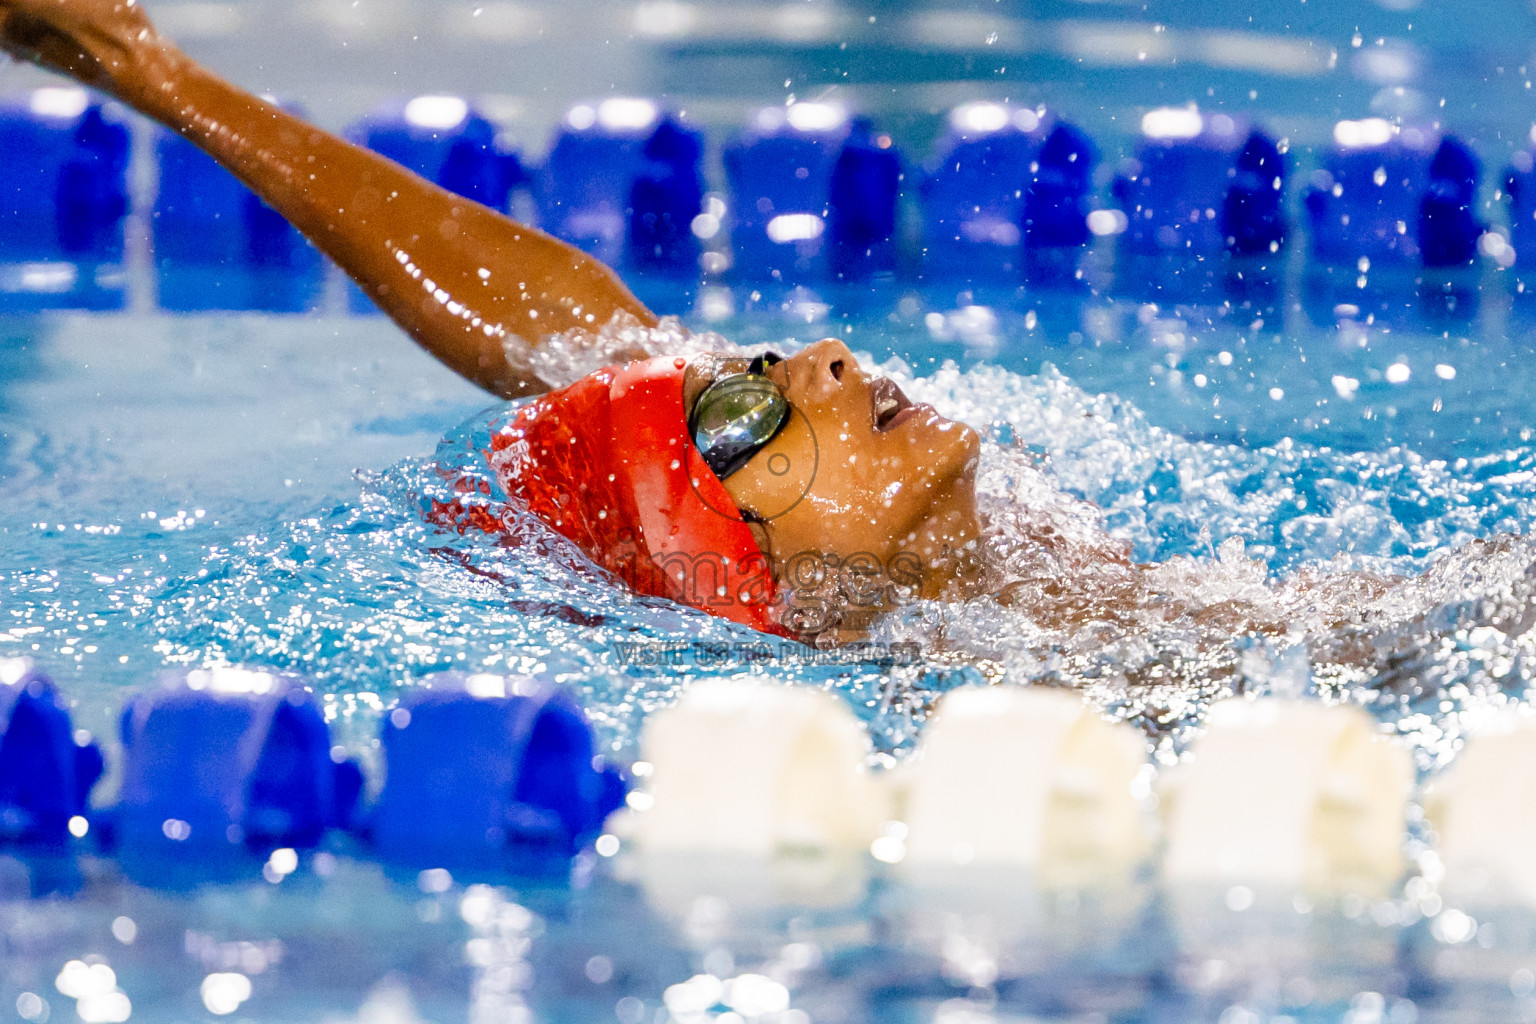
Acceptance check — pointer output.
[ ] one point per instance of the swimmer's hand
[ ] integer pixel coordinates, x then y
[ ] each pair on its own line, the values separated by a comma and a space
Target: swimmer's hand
95, 42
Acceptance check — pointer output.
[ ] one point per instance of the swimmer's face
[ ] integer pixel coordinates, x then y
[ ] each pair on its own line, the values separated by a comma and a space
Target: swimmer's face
859, 470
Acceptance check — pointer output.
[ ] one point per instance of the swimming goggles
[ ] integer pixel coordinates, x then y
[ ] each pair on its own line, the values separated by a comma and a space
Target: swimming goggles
737, 415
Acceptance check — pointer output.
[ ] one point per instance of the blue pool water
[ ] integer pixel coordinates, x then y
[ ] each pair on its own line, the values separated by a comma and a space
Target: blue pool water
249, 488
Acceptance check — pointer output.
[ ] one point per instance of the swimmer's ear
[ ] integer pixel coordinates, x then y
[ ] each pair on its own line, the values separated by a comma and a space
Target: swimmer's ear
759, 527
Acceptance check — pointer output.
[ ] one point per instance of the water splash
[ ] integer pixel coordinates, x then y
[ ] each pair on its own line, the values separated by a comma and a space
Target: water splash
1370, 566
1377, 576
566, 358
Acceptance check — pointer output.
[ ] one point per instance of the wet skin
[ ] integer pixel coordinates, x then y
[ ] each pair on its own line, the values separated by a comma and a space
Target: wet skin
858, 471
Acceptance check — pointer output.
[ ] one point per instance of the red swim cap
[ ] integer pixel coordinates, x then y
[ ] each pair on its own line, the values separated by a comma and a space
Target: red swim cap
608, 463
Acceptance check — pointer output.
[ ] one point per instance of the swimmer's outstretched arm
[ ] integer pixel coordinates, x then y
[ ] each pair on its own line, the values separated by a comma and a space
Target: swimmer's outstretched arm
460, 278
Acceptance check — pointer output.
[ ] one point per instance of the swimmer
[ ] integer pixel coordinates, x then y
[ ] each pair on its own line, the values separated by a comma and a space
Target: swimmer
801, 496
727, 476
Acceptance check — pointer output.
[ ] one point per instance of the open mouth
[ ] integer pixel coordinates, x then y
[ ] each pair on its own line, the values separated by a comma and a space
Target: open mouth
888, 403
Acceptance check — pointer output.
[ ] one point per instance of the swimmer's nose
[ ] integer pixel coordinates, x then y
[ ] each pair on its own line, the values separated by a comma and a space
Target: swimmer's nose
823, 367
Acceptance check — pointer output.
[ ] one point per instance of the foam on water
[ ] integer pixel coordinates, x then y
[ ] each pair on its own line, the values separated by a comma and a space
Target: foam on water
566, 358
1240, 568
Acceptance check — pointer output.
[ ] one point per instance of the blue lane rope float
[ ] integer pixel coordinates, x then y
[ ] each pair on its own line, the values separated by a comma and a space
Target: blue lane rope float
92, 196
63, 177
1253, 216
448, 141
1448, 227
483, 769
217, 760
47, 769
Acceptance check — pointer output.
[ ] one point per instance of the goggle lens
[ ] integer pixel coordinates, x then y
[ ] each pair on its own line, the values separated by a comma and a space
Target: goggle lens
737, 415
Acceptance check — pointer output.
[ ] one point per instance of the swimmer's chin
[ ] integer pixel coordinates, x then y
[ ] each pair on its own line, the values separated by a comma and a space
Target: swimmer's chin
947, 550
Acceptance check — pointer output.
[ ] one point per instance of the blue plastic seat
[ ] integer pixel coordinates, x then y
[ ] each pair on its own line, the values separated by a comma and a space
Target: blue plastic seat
1056, 198
217, 760
781, 178
1520, 187
665, 196
1253, 218
217, 246
445, 140
862, 206
46, 768
605, 157
1006, 181
1448, 228
1394, 197
484, 770
63, 197
1200, 185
